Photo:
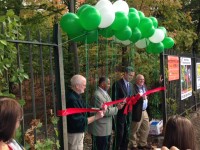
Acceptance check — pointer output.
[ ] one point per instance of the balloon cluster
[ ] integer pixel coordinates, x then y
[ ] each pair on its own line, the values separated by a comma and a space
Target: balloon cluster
126, 25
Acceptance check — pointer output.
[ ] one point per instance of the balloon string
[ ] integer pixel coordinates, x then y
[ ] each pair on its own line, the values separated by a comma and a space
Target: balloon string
72, 39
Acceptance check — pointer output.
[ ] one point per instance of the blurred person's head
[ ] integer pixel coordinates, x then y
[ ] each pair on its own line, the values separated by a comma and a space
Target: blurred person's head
179, 132
104, 83
140, 80
129, 73
78, 83
10, 117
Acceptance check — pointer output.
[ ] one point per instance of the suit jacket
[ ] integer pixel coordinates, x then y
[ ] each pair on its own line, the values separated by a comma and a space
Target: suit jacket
137, 108
103, 126
119, 91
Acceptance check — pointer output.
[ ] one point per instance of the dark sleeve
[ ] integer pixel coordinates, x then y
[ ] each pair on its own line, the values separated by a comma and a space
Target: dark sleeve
77, 122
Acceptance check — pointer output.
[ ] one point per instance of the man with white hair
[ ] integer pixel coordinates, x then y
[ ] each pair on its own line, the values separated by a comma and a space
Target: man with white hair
140, 120
77, 123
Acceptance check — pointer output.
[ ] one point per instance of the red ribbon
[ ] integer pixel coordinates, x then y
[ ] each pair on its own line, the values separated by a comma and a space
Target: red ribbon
70, 111
130, 101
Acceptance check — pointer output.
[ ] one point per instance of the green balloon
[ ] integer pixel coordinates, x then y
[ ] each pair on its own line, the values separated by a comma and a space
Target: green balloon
168, 42
155, 48
141, 14
90, 18
134, 19
148, 33
106, 32
79, 11
146, 27
91, 36
124, 34
120, 22
155, 21
133, 10
70, 23
136, 35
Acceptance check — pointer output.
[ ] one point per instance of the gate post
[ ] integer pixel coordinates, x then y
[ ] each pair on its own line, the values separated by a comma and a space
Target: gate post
60, 87
164, 104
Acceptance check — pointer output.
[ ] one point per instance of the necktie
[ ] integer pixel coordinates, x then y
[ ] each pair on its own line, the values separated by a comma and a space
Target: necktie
128, 89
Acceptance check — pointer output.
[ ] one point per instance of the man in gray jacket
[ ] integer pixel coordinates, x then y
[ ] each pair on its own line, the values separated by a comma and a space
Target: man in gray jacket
101, 129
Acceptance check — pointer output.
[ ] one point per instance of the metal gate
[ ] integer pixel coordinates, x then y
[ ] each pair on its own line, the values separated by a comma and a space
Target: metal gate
42, 60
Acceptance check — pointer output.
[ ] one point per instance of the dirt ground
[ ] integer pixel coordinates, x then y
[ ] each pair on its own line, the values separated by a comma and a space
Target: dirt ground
156, 141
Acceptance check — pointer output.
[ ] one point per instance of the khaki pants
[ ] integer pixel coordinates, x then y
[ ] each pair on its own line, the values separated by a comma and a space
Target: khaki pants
139, 131
75, 141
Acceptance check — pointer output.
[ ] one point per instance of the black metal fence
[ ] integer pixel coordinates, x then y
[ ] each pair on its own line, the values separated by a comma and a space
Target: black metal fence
172, 103
41, 58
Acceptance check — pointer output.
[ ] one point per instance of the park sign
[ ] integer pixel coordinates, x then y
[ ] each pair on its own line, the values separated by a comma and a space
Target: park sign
173, 68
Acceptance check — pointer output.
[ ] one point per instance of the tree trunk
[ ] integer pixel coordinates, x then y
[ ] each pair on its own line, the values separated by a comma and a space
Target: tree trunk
73, 47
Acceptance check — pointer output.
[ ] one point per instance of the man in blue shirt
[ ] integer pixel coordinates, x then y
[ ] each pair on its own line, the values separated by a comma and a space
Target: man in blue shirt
140, 120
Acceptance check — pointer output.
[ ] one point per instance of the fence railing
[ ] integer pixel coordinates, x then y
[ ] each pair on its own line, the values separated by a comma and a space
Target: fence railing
173, 103
41, 58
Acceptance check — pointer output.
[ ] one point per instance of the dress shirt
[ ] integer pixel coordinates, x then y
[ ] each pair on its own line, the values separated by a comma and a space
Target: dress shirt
145, 101
127, 87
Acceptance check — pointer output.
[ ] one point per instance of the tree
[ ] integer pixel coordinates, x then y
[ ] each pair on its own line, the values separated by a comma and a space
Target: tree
10, 72
174, 16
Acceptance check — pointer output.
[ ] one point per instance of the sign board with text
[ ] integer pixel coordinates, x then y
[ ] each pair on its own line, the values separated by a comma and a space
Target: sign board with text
173, 68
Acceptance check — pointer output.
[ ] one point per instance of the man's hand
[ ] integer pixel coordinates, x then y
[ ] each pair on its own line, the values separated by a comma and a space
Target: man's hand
160, 79
120, 105
99, 115
104, 107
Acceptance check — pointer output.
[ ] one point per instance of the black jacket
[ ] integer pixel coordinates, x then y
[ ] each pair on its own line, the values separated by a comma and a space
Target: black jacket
119, 91
76, 123
137, 108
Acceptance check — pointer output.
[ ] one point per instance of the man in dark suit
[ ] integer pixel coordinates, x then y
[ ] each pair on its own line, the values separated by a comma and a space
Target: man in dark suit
140, 120
122, 89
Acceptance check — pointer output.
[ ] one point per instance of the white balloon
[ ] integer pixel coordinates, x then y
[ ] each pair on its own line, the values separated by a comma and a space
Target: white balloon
126, 42
116, 40
122, 6
102, 4
158, 36
142, 43
107, 17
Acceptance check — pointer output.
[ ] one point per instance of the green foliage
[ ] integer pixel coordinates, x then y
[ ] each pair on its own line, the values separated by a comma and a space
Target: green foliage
155, 103
172, 106
49, 143
19, 75
179, 17
9, 71
18, 135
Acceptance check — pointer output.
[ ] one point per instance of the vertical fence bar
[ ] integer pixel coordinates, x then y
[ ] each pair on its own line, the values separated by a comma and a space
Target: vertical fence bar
52, 77
162, 70
60, 87
20, 90
32, 82
43, 87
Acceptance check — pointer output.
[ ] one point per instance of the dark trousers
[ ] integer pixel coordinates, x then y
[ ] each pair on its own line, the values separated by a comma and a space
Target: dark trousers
121, 136
101, 142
